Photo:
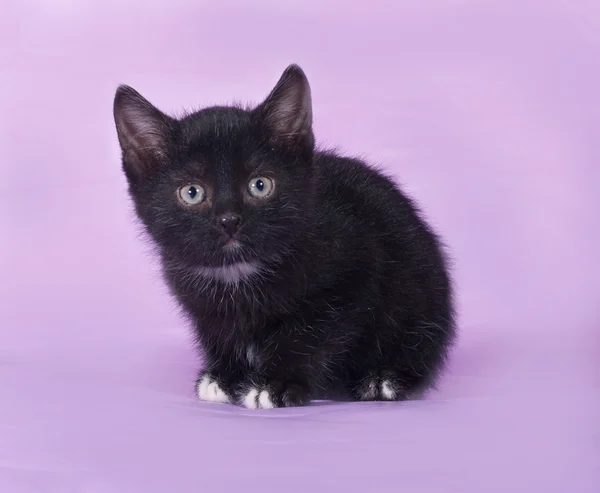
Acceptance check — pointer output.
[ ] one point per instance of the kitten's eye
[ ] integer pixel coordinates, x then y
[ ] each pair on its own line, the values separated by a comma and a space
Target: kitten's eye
192, 194
260, 187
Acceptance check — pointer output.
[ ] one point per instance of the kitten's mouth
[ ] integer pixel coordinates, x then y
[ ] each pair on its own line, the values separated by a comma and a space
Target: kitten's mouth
232, 249
232, 244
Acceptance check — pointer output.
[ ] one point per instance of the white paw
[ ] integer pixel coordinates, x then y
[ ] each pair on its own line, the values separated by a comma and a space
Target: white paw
209, 390
258, 399
374, 389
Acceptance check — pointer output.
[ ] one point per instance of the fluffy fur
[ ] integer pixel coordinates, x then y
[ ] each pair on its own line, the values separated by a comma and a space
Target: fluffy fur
332, 286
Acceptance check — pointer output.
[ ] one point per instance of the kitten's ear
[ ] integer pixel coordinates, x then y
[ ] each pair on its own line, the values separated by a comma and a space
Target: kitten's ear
144, 132
287, 111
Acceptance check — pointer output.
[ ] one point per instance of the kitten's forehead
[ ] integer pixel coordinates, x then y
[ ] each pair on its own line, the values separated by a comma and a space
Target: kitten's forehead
221, 138
217, 122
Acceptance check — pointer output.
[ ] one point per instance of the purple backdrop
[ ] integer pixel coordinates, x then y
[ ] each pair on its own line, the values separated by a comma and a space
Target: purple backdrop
487, 112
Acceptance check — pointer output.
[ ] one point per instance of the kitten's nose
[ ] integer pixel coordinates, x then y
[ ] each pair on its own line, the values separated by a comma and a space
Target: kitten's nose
230, 222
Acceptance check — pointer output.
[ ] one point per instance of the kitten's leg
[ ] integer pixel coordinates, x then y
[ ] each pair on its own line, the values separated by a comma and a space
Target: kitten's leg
398, 363
296, 361
220, 380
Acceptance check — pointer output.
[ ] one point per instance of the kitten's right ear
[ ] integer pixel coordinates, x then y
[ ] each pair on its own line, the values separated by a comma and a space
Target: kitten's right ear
287, 111
145, 133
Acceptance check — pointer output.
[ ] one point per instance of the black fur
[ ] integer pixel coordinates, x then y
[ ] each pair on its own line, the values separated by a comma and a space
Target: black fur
352, 287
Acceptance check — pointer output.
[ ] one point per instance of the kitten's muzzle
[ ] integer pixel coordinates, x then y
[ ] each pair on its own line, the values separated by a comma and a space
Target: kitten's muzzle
229, 223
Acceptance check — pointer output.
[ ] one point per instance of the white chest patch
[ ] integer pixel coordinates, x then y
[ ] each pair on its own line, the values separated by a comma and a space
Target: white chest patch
230, 274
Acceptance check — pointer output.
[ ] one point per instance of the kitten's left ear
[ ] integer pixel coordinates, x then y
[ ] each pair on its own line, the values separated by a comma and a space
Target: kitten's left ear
145, 133
287, 111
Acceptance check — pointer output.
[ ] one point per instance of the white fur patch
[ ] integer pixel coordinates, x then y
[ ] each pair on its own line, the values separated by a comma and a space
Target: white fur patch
264, 400
250, 399
256, 399
373, 389
230, 274
232, 246
209, 390
387, 391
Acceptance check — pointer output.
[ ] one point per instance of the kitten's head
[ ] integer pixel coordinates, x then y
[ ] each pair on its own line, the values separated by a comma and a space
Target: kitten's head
223, 185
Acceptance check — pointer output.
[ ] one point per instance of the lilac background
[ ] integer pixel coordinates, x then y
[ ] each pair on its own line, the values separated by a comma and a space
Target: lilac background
488, 112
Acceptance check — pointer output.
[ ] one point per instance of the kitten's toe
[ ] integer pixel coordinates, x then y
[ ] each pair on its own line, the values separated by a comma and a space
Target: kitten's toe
258, 398
290, 394
277, 393
208, 389
380, 388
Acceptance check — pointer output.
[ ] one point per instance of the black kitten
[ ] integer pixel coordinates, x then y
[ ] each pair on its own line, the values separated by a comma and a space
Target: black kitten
306, 274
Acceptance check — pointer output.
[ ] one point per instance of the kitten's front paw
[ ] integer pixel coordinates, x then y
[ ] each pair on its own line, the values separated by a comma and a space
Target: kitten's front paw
208, 389
276, 393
